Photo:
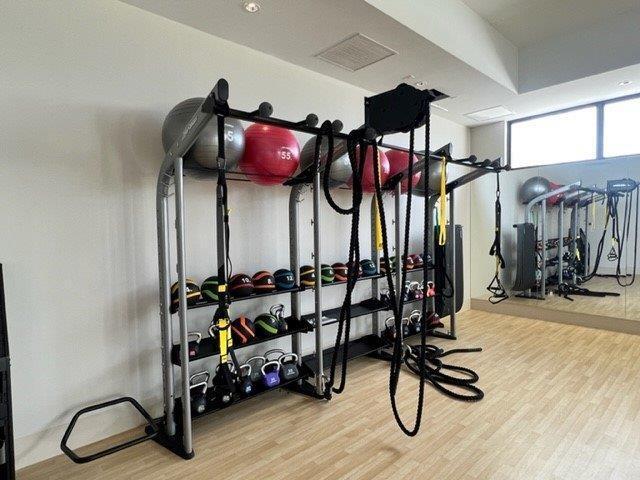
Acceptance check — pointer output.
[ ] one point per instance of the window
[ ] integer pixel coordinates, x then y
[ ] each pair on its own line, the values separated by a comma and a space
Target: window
569, 136
621, 122
597, 131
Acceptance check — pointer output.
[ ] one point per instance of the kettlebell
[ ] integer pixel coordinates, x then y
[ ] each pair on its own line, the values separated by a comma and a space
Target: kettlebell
198, 392
416, 291
385, 296
270, 374
430, 291
390, 329
278, 312
256, 364
288, 367
244, 379
406, 291
194, 345
414, 322
405, 328
223, 392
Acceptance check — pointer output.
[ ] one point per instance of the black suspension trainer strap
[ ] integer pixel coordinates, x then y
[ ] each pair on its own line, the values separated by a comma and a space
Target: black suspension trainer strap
497, 290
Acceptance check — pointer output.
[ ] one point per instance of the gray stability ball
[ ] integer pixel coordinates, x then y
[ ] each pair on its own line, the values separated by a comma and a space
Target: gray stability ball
533, 188
340, 172
435, 170
205, 150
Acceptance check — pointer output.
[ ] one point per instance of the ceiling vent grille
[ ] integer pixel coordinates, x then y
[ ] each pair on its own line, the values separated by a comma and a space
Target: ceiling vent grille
355, 52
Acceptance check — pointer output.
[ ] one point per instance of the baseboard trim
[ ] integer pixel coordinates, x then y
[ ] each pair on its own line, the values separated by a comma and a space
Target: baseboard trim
622, 325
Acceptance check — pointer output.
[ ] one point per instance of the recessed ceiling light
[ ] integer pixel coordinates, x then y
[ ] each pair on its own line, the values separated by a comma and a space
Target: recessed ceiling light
252, 7
625, 83
420, 84
489, 113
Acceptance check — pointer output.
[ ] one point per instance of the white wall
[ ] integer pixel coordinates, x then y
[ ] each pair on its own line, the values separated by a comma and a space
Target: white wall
86, 86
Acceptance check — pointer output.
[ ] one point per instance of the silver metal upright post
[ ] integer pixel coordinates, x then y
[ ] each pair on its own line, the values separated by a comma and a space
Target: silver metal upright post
587, 259
543, 227
453, 246
375, 257
398, 235
317, 264
295, 197
182, 309
560, 242
164, 262
574, 238
431, 304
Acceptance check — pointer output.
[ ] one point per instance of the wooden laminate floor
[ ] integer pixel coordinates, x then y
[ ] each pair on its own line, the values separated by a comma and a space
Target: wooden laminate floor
562, 402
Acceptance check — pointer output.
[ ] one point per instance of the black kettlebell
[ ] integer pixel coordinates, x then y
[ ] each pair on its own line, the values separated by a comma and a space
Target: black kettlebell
406, 291
256, 364
223, 391
414, 322
194, 345
278, 312
288, 367
406, 331
385, 296
273, 355
198, 392
390, 329
244, 379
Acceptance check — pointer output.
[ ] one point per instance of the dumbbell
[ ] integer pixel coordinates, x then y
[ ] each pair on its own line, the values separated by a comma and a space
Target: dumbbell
414, 322
271, 374
289, 367
245, 384
194, 345
256, 364
198, 392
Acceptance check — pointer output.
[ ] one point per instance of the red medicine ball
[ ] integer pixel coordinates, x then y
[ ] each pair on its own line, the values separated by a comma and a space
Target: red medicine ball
368, 178
399, 162
271, 154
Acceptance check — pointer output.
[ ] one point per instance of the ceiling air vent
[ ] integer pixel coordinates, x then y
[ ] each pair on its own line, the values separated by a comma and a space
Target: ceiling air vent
489, 113
355, 52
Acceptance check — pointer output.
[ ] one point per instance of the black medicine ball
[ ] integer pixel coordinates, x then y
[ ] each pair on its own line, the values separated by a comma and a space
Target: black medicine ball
327, 274
368, 267
307, 276
240, 285
263, 281
266, 325
284, 279
209, 289
193, 294
242, 330
340, 271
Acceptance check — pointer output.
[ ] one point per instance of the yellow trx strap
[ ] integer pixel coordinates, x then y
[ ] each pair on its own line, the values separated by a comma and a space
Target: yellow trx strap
377, 227
224, 334
442, 217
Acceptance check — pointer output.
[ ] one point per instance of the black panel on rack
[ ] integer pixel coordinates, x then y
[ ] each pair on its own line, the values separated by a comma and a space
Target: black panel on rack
213, 407
207, 303
357, 348
209, 347
357, 310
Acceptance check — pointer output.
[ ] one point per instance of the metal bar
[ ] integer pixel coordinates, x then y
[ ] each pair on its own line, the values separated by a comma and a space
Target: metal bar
566, 188
543, 226
187, 437
398, 239
560, 249
574, 238
452, 222
587, 259
317, 264
375, 257
431, 243
164, 262
295, 197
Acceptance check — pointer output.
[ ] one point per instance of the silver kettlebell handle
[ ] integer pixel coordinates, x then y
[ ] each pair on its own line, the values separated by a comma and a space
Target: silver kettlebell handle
255, 359
274, 363
386, 322
199, 374
243, 367
204, 386
274, 351
196, 335
414, 314
293, 356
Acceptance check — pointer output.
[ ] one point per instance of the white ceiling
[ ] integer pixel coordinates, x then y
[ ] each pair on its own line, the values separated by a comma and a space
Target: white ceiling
525, 22
296, 30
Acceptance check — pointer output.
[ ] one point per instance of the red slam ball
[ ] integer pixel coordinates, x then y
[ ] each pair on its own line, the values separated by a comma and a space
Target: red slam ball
399, 162
368, 178
271, 154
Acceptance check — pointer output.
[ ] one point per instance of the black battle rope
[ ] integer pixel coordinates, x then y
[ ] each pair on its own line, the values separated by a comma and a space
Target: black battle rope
397, 305
354, 139
435, 375
498, 292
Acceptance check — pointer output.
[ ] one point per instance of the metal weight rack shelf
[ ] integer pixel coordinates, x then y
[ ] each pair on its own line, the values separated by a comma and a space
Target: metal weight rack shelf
176, 424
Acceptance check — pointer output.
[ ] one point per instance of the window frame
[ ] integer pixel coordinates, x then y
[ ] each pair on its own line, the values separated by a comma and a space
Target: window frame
599, 131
